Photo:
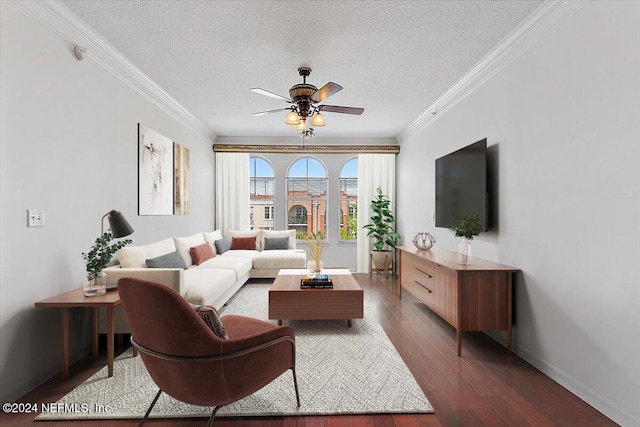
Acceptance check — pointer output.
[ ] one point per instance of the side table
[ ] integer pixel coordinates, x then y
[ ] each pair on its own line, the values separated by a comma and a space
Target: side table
76, 298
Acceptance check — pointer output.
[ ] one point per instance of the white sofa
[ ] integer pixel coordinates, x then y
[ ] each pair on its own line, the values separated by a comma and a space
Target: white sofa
215, 280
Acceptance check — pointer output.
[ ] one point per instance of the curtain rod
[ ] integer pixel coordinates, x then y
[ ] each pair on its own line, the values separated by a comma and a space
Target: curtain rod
328, 149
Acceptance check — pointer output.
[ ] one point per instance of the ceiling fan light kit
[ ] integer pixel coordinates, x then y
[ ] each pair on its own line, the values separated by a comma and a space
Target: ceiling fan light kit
303, 99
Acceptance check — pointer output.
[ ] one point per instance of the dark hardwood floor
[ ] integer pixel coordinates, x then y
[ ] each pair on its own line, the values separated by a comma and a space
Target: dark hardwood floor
484, 387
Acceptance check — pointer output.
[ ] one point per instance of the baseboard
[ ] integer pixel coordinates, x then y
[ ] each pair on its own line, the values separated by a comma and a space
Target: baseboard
598, 402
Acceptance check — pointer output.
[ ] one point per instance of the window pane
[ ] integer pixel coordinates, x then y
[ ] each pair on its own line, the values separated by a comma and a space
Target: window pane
348, 200
307, 197
262, 194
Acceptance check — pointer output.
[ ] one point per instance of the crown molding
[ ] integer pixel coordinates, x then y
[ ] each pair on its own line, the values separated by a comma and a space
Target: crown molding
543, 20
59, 19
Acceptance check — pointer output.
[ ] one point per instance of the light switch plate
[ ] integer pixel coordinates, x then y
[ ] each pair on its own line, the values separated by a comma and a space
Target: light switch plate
35, 218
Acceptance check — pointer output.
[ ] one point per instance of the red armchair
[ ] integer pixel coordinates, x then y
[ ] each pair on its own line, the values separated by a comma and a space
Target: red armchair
189, 362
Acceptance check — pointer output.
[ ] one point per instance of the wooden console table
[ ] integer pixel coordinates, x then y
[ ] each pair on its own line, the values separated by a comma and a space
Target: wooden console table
474, 297
76, 298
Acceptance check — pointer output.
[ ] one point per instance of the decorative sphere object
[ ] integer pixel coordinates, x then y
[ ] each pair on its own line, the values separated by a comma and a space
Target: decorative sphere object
424, 241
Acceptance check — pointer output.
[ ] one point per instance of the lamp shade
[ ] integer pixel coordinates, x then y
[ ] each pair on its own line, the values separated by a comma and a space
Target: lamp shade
318, 120
119, 225
292, 118
302, 127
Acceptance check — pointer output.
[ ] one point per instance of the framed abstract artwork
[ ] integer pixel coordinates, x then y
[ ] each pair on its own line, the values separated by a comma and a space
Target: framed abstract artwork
181, 176
155, 173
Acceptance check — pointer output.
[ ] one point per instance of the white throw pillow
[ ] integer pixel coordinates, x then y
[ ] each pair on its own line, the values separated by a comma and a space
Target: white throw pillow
249, 233
212, 237
290, 234
135, 256
183, 244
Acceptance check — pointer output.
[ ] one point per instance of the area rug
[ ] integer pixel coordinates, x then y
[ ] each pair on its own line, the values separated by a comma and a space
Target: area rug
340, 370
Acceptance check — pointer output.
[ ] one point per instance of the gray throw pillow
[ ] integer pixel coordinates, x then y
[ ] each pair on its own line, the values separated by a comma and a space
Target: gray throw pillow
170, 260
222, 246
271, 243
211, 318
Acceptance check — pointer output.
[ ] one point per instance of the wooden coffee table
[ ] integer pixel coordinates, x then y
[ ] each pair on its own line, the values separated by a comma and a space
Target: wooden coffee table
288, 302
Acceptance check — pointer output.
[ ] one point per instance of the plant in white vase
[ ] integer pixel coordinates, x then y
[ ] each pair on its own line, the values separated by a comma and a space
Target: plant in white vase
467, 227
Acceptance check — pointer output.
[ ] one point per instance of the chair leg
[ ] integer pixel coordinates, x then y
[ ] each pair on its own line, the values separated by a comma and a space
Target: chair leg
213, 415
295, 385
155, 399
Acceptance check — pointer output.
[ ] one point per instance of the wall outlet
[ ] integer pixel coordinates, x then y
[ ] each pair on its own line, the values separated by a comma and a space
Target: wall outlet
433, 216
35, 218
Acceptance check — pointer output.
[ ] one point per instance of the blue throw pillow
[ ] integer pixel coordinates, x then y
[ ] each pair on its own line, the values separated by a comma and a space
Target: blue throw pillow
170, 260
271, 243
222, 246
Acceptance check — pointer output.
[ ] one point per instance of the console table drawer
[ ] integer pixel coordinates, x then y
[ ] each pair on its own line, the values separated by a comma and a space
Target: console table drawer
423, 290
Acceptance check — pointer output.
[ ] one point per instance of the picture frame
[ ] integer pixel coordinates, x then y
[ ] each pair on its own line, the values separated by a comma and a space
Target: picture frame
155, 173
181, 180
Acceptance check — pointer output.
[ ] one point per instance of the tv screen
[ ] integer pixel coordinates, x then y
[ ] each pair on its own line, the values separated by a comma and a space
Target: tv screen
461, 185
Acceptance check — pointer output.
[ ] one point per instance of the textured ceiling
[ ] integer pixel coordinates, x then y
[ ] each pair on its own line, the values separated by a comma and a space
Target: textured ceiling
394, 59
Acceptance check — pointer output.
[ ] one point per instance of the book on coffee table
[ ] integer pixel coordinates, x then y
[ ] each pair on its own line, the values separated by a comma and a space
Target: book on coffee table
316, 281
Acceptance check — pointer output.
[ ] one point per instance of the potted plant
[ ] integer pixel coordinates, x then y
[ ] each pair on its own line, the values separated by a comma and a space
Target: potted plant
382, 231
467, 227
96, 260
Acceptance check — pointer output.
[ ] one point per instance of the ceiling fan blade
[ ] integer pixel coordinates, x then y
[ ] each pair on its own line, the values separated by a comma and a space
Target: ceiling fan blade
326, 91
267, 93
339, 109
262, 113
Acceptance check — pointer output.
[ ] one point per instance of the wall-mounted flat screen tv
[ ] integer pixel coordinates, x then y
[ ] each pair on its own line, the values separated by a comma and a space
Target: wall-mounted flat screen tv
461, 185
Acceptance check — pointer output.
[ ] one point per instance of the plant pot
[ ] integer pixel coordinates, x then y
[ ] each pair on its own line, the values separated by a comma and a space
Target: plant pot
315, 268
464, 252
382, 260
95, 287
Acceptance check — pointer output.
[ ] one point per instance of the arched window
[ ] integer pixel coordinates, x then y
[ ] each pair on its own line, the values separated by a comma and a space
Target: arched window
307, 197
348, 200
262, 193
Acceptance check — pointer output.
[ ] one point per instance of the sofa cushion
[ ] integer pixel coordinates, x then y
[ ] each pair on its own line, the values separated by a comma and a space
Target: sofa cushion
222, 246
135, 256
183, 244
212, 237
170, 260
289, 234
247, 243
249, 233
211, 318
271, 243
201, 253
241, 253
275, 259
206, 287
239, 265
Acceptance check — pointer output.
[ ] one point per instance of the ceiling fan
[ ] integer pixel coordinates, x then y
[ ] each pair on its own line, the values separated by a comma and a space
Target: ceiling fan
304, 99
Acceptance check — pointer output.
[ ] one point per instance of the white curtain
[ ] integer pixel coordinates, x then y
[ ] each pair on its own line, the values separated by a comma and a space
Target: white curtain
232, 191
374, 170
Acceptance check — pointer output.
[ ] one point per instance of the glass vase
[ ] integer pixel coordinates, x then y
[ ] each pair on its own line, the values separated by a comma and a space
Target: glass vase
315, 268
95, 287
464, 252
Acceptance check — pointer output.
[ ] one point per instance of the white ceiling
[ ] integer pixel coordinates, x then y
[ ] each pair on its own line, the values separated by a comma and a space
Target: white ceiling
393, 58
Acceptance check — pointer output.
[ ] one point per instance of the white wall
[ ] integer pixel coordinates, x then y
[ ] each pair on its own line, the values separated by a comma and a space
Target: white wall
68, 145
563, 125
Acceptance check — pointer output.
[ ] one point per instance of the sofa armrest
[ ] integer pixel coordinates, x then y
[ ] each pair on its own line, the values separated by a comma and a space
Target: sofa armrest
171, 277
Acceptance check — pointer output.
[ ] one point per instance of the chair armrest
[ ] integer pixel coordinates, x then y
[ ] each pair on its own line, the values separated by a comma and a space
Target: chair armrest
171, 277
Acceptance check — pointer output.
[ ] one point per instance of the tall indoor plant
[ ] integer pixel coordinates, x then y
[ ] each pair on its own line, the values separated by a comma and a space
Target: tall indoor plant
467, 227
381, 229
